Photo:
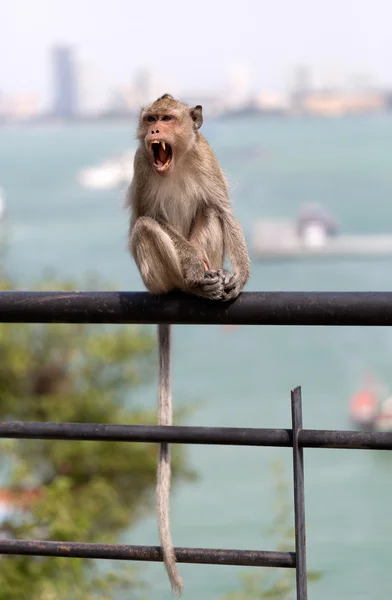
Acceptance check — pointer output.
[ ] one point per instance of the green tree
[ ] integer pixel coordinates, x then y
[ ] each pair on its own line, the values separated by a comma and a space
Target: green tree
72, 490
274, 583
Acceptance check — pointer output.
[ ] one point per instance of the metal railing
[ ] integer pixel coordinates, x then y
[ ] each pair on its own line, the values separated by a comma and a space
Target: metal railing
251, 308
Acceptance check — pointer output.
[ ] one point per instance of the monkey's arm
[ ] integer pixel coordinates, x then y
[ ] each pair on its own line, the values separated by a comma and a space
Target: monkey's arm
233, 243
214, 232
235, 247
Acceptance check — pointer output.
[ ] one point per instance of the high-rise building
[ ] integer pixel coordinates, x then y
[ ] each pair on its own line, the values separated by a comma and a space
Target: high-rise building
65, 83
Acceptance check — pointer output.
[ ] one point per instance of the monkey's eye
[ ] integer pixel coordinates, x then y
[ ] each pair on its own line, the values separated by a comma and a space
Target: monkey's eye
166, 118
150, 119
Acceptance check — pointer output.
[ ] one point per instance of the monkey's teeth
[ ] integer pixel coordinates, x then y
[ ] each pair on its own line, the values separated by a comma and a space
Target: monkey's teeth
163, 145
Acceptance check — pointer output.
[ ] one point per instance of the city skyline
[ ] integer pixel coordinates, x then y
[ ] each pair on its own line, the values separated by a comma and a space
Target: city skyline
193, 49
76, 90
76, 94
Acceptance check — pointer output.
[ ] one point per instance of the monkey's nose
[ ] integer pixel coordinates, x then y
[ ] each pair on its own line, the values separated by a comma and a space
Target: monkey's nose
156, 131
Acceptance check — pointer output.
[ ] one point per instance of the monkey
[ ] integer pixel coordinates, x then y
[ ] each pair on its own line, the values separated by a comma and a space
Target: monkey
180, 230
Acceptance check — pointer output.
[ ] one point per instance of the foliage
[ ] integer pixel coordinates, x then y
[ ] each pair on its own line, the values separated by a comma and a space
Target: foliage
78, 491
267, 582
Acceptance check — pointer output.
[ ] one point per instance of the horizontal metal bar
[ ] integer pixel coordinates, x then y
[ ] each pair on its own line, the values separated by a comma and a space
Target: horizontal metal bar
250, 558
354, 440
230, 436
146, 433
250, 308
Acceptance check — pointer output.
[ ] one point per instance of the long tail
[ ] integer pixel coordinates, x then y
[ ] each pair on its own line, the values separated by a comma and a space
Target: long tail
165, 415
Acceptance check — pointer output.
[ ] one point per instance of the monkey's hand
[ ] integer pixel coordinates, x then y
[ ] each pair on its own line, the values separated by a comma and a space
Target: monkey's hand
199, 281
232, 285
217, 285
210, 286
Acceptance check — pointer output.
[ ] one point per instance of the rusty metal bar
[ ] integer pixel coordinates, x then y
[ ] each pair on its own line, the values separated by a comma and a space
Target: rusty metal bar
146, 433
299, 496
236, 436
212, 556
250, 308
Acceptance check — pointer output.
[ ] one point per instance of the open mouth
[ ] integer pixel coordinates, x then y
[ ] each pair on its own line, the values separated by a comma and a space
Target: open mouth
162, 154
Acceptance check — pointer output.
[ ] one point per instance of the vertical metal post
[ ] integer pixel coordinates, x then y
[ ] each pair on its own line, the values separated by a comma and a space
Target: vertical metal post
299, 496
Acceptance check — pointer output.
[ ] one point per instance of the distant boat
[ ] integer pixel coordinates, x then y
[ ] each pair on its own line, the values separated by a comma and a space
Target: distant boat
370, 408
313, 235
110, 174
364, 408
383, 421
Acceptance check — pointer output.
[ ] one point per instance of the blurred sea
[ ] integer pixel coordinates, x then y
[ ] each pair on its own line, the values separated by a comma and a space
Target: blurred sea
241, 377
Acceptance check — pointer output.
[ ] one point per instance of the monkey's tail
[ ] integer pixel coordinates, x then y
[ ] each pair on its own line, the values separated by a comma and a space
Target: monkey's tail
165, 413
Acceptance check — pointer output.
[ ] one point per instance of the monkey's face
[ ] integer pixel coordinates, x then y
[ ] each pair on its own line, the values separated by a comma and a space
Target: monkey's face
160, 142
167, 130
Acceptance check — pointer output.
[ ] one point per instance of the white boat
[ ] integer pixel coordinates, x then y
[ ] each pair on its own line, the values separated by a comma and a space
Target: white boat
384, 417
109, 174
313, 235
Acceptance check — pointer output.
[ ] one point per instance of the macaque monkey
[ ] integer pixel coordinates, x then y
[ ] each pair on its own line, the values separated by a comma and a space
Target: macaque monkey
181, 228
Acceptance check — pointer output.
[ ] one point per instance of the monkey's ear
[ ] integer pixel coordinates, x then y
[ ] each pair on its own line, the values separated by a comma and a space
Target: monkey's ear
196, 113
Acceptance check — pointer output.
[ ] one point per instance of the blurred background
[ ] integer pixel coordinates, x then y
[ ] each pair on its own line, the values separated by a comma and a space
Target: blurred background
297, 101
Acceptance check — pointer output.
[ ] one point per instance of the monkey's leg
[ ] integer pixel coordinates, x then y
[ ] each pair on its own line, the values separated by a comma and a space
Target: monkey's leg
207, 237
155, 256
197, 279
166, 261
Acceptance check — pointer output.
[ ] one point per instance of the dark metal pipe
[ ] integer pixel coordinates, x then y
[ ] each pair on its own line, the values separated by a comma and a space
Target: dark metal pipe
250, 558
356, 440
146, 433
250, 308
235, 436
299, 496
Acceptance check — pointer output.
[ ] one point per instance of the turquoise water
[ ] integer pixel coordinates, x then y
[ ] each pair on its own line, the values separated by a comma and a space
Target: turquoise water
242, 377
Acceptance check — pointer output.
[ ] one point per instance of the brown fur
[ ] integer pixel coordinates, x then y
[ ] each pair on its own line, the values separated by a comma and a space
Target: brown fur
181, 221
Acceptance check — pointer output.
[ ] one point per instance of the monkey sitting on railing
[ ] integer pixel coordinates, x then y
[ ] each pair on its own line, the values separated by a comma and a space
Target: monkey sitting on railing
181, 227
